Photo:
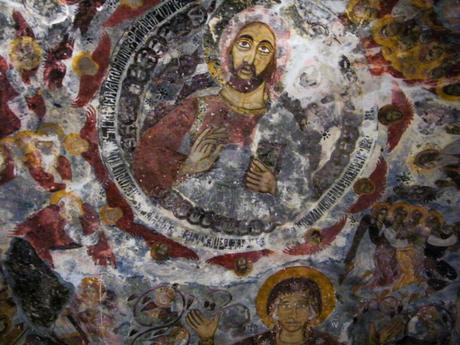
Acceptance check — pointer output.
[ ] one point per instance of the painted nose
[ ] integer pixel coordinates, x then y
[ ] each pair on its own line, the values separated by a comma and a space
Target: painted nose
250, 56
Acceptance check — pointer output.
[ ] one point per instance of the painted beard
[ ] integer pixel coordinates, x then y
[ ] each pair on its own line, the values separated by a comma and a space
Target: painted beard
248, 85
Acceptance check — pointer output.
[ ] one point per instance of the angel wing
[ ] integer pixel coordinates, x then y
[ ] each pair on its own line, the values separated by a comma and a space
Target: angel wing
228, 260
116, 199
396, 130
378, 179
55, 70
125, 12
175, 250
36, 103
8, 171
22, 27
86, 11
89, 84
9, 122
45, 232
327, 236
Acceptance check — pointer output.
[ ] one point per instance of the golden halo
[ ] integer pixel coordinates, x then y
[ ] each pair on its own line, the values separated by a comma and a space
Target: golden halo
324, 284
214, 68
134, 4
56, 197
437, 214
356, 18
110, 215
378, 206
377, 35
422, 210
223, 28
441, 91
92, 283
75, 144
23, 140
399, 204
84, 64
25, 53
51, 128
25, 135
362, 182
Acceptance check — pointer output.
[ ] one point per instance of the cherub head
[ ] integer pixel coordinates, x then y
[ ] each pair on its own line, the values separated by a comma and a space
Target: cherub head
389, 114
364, 186
164, 296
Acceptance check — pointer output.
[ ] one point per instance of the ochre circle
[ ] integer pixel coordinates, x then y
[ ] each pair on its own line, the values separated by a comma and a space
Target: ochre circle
25, 53
324, 284
75, 144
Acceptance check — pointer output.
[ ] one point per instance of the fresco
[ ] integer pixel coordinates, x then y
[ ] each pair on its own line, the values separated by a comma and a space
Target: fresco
229, 172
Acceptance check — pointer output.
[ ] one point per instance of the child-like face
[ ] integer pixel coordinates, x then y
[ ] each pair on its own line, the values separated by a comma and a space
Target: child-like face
293, 311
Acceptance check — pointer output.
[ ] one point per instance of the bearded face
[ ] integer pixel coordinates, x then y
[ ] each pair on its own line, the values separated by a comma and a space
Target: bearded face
253, 57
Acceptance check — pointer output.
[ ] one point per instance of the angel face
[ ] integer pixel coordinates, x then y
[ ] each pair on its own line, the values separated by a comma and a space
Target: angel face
389, 114
313, 236
164, 297
242, 265
433, 222
380, 214
427, 158
159, 252
363, 186
415, 217
400, 214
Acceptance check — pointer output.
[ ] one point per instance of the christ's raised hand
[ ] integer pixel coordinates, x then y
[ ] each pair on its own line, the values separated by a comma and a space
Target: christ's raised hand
204, 152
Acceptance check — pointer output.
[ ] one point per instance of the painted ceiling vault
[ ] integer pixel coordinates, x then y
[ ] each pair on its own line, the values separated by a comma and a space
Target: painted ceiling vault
220, 172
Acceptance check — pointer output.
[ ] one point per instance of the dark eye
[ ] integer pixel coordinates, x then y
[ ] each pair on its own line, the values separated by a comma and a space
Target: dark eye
244, 44
264, 50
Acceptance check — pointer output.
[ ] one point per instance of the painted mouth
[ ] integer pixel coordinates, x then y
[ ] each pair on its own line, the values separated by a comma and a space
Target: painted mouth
293, 323
247, 70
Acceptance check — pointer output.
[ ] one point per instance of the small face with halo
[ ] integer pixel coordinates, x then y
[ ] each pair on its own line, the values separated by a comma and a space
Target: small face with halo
295, 304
